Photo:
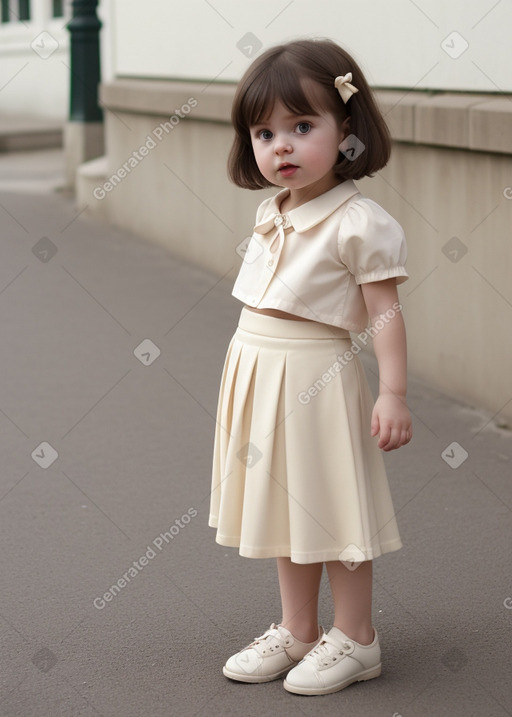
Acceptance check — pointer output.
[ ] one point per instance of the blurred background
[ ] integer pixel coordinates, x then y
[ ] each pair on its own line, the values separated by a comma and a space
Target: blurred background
121, 239
442, 77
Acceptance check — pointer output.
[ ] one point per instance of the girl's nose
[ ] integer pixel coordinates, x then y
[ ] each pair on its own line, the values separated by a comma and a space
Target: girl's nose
282, 144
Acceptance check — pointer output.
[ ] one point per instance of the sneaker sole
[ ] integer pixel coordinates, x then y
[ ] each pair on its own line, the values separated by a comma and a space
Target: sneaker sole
256, 678
366, 675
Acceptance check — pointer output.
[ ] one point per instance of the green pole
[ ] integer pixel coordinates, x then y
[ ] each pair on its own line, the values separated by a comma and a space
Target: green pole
84, 28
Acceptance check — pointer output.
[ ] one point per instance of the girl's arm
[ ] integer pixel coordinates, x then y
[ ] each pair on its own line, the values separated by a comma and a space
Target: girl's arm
390, 418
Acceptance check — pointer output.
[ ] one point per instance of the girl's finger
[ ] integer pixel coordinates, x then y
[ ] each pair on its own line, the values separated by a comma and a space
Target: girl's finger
375, 425
385, 435
394, 439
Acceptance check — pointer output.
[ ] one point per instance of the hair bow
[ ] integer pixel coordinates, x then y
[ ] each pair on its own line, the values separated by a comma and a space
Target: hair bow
346, 90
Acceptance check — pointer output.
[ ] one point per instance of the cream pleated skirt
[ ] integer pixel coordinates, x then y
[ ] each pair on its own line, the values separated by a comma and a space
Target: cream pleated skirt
295, 471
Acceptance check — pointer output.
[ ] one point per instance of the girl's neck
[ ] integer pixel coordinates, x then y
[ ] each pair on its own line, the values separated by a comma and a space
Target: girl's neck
297, 197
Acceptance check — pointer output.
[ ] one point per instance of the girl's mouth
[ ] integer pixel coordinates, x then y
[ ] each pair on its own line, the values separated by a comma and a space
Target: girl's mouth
287, 170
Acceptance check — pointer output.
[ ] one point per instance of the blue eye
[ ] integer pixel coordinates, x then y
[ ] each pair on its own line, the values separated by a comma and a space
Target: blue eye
303, 127
265, 134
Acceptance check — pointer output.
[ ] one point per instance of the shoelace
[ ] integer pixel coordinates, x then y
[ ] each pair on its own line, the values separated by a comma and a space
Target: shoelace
328, 651
270, 639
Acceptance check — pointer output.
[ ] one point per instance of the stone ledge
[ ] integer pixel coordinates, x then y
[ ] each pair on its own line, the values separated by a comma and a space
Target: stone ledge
478, 122
19, 133
164, 97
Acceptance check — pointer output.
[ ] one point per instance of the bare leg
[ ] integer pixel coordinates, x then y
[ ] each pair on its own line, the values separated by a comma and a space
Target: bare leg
299, 585
352, 595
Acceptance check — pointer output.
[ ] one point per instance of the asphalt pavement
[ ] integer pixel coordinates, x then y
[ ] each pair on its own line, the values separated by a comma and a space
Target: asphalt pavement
116, 600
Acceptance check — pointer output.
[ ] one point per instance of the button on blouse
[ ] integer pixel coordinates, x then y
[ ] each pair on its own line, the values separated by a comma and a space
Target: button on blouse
312, 260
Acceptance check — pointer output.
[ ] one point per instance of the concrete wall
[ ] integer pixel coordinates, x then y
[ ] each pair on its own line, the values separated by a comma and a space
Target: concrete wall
34, 61
456, 45
458, 300
448, 183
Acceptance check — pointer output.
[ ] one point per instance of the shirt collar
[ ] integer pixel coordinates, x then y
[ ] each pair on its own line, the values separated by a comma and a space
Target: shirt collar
309, 214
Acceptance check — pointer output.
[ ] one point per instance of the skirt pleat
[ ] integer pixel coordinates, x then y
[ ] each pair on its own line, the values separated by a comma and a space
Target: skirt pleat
295, 471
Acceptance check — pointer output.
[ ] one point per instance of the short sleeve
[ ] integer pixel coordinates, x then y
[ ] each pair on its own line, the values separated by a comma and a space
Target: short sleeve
371, 243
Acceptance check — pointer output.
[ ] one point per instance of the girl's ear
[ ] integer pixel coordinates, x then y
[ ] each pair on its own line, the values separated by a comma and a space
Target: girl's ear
345, 128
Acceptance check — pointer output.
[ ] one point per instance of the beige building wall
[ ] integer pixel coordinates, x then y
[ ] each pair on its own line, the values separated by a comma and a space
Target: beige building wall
449, 183
451, 46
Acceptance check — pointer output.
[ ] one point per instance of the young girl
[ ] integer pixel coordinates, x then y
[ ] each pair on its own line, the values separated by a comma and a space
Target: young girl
297, 470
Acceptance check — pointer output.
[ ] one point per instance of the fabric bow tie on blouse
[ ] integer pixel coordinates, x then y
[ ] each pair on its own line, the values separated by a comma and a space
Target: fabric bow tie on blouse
346, 90
277, 222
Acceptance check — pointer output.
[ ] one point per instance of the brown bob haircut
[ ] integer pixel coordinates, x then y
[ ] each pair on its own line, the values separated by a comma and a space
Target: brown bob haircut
301, 75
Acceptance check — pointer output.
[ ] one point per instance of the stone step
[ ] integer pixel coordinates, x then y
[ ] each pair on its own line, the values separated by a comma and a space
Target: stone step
90, 175
19, 133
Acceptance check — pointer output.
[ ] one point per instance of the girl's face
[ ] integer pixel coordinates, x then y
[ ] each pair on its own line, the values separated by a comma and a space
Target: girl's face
298, 151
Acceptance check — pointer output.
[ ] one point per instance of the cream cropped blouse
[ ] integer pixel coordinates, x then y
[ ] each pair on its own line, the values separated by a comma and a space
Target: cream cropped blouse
312, 260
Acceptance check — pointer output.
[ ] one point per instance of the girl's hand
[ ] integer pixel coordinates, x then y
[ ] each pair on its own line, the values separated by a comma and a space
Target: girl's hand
392, 420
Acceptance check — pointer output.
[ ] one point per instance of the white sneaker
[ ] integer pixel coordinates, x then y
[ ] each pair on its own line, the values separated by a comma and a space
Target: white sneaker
270, 656
333, 664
